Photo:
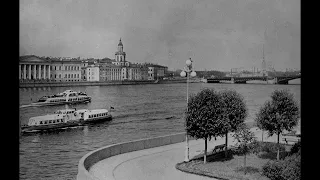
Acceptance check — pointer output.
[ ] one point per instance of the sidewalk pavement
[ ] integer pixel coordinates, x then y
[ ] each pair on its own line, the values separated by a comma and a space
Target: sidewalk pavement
159, 162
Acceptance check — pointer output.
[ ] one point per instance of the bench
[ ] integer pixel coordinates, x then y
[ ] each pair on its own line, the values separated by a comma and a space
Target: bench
218, 148
293, 139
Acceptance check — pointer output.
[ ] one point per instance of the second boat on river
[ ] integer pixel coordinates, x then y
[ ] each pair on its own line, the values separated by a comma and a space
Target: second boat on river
66, 118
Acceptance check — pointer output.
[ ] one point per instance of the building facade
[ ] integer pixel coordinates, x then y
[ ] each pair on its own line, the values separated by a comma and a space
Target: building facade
32, 68
110, 72
93, 73
84, 65
66, 71
156, 72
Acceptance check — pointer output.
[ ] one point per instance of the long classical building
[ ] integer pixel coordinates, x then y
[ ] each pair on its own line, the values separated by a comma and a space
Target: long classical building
33, 68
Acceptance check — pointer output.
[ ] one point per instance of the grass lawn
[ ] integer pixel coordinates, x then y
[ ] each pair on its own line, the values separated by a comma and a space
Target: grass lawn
229, 168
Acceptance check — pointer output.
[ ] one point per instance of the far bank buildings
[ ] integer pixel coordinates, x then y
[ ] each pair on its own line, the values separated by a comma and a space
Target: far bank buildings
34, 69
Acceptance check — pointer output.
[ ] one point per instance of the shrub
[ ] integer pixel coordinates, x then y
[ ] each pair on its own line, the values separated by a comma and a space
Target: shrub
295, 148
273, 170
287, 169
272, 147
291, 168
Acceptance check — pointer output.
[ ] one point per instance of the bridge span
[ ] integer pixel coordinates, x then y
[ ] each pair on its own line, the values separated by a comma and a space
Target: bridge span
243, 80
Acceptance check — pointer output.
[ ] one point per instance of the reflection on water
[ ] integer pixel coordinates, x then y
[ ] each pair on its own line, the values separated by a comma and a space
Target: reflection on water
141, 111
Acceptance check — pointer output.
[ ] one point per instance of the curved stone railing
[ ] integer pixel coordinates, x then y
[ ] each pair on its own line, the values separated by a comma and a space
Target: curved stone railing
87, 161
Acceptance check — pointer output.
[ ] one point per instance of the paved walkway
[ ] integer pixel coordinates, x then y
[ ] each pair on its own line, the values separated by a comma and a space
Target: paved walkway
157, 163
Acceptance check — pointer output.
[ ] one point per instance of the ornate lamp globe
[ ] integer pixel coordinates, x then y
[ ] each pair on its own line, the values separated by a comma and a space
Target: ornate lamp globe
188, 62
193, 74
183, 74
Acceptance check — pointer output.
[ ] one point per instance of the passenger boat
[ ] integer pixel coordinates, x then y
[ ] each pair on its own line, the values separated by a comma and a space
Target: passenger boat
66, 97
66, 118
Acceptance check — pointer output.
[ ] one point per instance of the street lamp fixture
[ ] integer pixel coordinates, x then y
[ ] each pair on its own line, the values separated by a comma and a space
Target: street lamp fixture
188, 71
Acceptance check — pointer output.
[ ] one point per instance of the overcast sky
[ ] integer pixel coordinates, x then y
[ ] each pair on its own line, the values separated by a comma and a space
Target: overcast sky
216, 34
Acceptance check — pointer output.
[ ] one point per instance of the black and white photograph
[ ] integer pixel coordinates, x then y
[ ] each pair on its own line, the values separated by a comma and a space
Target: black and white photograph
159, 89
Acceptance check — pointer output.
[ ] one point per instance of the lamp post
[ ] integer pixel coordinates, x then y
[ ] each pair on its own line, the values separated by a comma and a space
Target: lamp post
187, 73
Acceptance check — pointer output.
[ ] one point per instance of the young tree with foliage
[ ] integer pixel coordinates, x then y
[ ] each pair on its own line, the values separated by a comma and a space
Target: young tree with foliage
244, 137
279, 114
201, 116
233, 111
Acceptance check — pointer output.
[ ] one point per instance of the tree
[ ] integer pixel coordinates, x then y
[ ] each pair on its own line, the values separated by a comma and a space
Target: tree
279, 114
201, 116
233, 112
244, 137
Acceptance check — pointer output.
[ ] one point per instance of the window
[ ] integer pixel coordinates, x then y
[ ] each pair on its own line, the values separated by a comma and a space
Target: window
40, 122
50, 121
54, 121
57, 120
46, 122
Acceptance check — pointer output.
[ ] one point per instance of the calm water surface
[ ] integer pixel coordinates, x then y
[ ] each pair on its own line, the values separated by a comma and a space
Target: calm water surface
141, 111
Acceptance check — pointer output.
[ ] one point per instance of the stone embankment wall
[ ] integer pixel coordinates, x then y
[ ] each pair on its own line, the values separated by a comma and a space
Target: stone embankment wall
87, 161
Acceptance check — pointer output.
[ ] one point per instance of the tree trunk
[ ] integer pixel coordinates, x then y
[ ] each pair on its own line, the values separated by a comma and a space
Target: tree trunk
245, 158
278, 147
205, 151
226, 150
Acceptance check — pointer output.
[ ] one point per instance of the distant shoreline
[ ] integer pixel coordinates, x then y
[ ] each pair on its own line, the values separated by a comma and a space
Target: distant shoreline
98, 83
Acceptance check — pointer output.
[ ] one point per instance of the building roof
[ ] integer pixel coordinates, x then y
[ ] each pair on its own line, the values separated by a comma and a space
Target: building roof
33, 58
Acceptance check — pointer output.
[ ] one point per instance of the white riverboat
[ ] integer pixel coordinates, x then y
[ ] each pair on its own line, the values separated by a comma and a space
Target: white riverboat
66, 118
66, 97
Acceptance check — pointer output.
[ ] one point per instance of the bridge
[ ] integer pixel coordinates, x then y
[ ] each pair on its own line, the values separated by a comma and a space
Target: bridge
243, 80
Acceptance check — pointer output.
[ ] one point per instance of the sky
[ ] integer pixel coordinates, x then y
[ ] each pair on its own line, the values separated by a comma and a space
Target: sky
215, 34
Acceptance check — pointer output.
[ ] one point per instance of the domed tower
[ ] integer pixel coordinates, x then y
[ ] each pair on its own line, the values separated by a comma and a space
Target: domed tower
120, 56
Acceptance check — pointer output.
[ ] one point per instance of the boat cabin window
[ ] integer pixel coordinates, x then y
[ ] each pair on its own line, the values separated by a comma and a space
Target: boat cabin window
57, 120
46, 122
50, 121
54, 121
40, 122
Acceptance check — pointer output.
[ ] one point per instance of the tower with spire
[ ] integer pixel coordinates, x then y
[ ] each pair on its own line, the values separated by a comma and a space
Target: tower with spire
263, 64
120, 55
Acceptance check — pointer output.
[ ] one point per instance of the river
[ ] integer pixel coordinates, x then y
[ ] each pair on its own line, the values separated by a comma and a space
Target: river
140, 111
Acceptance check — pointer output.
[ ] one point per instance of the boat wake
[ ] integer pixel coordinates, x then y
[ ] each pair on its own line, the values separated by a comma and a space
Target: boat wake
24, 106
